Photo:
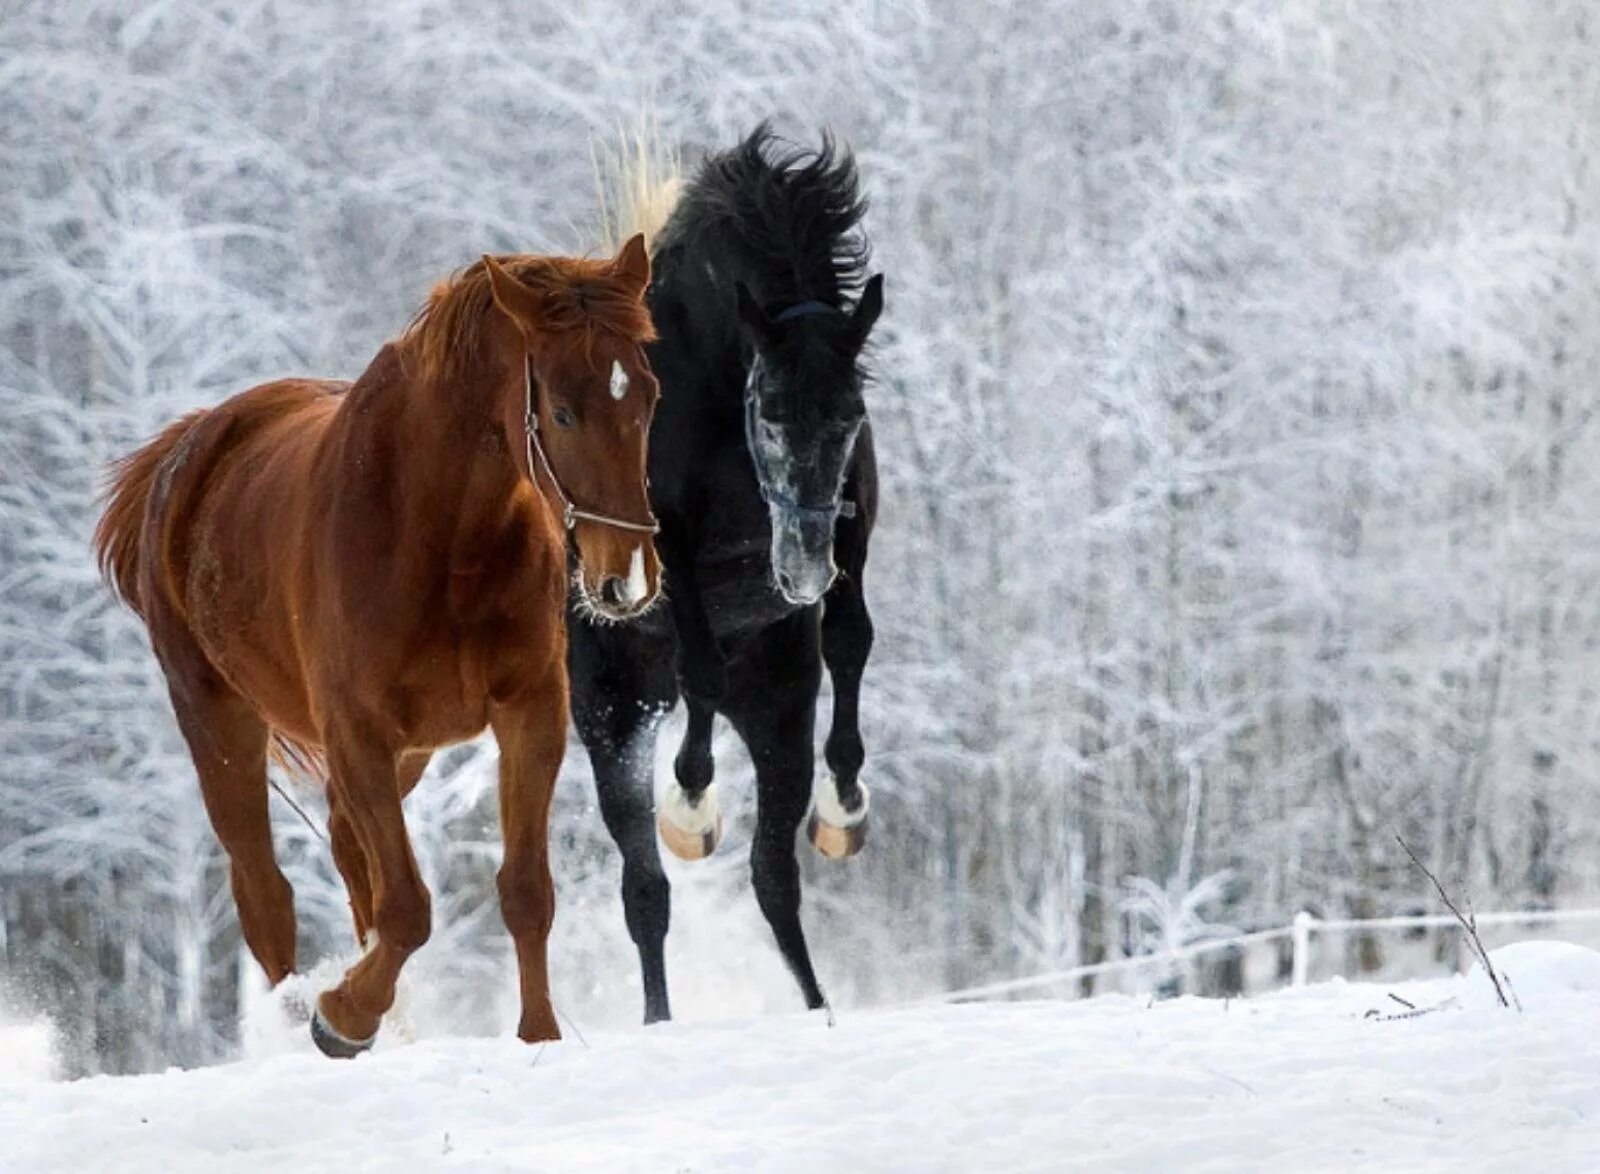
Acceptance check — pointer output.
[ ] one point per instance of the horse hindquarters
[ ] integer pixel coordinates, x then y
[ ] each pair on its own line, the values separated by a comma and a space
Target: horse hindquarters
226, 736
622, 686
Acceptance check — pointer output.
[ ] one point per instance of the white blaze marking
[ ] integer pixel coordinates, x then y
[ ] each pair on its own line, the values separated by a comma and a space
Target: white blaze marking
619, 380
637, 586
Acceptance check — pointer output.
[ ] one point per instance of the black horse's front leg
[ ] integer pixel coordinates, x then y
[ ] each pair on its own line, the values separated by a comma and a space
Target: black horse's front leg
776, 724
621, 689
838, 824
690, 817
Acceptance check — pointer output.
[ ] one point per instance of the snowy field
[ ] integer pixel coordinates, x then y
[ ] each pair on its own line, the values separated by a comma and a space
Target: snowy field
1323, 1078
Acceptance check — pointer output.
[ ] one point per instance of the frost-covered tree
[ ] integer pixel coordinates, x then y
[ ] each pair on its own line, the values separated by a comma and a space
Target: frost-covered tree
1234, 404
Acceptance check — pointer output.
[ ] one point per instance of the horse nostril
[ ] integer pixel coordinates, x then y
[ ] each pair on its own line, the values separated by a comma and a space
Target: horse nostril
611, 591
786, 582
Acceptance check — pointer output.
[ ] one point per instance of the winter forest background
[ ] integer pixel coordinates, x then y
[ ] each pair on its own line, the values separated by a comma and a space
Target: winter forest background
1236, 400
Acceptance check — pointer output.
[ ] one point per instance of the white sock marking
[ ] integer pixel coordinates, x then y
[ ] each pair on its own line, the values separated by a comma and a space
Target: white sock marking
831, 808
695, 820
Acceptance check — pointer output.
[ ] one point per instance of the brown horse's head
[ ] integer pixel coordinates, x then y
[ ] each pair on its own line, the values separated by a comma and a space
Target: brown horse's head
580, 374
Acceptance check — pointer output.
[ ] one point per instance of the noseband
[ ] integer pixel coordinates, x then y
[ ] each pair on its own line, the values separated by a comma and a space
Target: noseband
571, 515
770, 493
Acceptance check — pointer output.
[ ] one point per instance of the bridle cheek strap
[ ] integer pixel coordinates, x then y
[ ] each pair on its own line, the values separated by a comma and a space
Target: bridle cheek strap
571, 515
839, 507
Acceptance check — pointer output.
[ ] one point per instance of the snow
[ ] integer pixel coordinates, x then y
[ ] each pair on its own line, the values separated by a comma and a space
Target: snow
1539, 971
27, 1051
1321, 1078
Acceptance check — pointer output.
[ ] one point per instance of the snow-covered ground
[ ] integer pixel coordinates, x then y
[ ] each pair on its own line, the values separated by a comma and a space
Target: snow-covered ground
27, 1053
1323, 1078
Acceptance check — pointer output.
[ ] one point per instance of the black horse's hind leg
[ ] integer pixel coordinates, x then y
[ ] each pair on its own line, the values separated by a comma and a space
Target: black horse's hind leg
621, 688
777, 729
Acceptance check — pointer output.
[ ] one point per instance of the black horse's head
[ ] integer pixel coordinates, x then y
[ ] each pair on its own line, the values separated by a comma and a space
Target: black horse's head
803, 410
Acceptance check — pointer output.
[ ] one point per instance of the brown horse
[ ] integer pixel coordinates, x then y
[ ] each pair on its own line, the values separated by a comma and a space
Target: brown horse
354, 575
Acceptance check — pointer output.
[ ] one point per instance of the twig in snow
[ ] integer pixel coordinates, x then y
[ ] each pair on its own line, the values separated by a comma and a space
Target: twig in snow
1206, 1068
572, 1025
1515, 1001
1402, 1002
1469, 922
1414, 1013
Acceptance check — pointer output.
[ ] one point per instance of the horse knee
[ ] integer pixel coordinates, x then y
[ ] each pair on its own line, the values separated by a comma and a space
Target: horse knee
527, 904
646, 900
404, 920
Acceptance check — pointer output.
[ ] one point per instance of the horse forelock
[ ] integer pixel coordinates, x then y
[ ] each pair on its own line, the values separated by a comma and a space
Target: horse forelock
580, 302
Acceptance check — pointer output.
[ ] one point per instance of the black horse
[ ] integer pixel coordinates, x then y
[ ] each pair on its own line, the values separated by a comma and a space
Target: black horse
763, 477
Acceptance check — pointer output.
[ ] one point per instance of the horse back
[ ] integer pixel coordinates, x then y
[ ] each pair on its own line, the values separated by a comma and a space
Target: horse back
223, 527
233, 471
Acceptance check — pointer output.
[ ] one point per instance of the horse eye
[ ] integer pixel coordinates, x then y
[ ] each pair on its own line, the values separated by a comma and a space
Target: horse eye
562, 417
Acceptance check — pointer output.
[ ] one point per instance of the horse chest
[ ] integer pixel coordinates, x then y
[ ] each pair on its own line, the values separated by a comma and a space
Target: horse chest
735, 583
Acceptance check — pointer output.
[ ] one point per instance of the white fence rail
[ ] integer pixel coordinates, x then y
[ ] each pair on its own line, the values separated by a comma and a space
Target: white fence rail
1300, 933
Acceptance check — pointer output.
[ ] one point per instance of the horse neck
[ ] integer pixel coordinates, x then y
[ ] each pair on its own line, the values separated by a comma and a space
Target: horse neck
437, 446
713, 347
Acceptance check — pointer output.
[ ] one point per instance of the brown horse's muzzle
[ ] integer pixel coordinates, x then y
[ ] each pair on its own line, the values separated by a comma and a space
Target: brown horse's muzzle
619, 573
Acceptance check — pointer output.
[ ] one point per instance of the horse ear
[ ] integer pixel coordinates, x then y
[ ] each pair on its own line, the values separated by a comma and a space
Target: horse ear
633, 262
868, 306
753, 316
516, 299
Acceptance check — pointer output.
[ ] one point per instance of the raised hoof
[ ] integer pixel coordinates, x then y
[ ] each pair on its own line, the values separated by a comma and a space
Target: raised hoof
333, 1045
833, 831
690, 831
836, 843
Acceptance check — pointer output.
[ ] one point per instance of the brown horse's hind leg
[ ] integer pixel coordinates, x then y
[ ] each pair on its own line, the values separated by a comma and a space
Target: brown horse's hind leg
347, 853
367, 791
228, 742
533, 737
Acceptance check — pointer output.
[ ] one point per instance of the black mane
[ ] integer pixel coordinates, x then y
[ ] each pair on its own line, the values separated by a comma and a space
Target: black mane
784, 218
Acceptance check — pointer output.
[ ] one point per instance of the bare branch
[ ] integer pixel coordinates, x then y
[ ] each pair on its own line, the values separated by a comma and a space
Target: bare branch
1468, 923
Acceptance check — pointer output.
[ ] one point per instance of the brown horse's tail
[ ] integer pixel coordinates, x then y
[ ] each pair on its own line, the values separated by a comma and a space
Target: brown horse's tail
117, 537
118, 547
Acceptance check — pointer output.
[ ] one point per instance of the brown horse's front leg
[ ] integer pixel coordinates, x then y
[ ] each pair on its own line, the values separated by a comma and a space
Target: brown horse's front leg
532, 733
368, 796
347, 852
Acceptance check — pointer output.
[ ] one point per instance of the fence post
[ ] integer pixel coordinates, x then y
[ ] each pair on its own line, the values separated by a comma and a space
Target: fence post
1303, 922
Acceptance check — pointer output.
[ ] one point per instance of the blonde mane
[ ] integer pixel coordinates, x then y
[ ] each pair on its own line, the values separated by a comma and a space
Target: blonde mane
637, 184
